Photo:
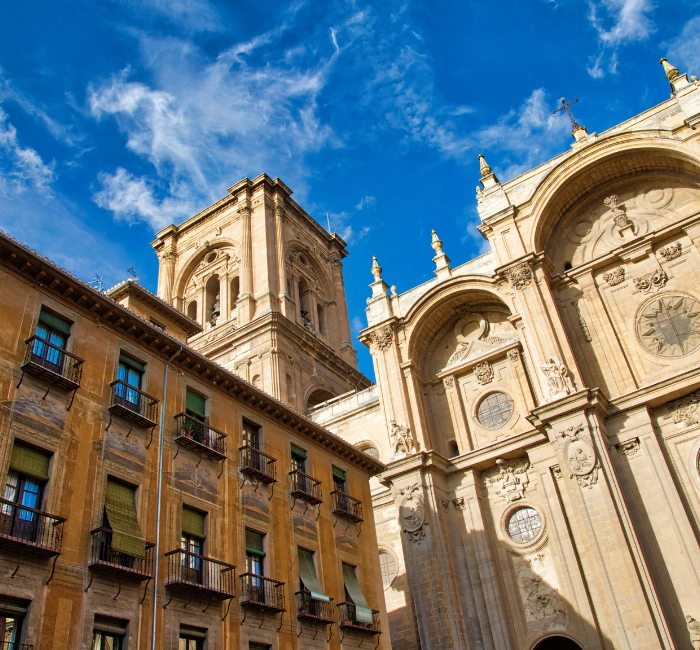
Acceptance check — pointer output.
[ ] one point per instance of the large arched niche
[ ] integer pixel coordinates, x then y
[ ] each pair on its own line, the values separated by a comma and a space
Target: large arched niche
604, 166
199, 258
296, 251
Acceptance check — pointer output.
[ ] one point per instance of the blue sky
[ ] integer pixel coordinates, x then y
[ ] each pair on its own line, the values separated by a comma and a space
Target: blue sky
118, 118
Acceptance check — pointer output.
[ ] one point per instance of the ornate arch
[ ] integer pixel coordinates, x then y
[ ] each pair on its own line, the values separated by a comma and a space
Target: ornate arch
186, 272
314, 270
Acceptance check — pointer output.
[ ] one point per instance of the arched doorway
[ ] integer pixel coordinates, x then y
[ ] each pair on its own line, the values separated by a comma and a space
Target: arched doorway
557, 643
318, 397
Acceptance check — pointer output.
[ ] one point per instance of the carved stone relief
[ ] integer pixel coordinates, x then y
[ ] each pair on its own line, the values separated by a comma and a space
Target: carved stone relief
615, 277
630, 448
510, 478
401, 440
382, 338
412, 513
449, 382
513, 355
519, 276
671, 252
558, 381
459, 503
693, 631
651, 281
685, 409
582, 322
473, 334
445, 503
669, 326
483, 372
580, 456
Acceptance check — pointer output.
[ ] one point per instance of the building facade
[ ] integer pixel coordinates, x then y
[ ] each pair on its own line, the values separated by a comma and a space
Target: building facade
537, 406
154, 499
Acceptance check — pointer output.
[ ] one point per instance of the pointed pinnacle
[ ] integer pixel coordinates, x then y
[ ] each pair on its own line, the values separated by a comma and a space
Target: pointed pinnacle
376, 270
484, 166
671, 72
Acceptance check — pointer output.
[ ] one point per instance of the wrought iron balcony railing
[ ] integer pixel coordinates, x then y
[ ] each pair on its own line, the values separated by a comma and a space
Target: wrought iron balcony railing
104, 558
52, 362
346, 506
11, 645
305, 487
200, 436
316, 610
30, 529
133, 404
196, 574
258, 464
348, 619
263, 593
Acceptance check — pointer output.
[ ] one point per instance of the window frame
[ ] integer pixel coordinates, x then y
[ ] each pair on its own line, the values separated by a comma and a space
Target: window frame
250, 427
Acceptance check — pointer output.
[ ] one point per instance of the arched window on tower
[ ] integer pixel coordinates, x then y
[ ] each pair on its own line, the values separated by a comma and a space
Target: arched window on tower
192, 310
305, 303
318, 397
213, 300
234, 293
321, 318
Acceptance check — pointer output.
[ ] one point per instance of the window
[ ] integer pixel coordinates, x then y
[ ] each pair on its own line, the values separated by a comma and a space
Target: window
53, 332
495, 410
125, 541
251, 435
157, 325
298, 459
255, 553
339, 480
388, 566
372, 451
108, 634
192, 638
258, 646
130, 374
321, 318
192, 544
524, 524
195, 406
192, 310
24, 486
453, 449
308, 579
358, 608
12, 615
235, 291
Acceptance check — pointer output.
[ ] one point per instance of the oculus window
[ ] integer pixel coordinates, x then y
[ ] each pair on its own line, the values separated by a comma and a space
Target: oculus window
524, 525
494, 410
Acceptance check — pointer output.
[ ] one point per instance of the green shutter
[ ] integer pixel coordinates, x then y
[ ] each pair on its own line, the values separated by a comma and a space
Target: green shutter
132, 363
120, 504
194, 404
339, 474
363, 612
193, 522
254, 543
30, 462
54, 322
307, 573
298, 451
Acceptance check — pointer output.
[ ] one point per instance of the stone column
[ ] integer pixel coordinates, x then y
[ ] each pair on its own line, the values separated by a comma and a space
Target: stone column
342, 321
245, 297
459, 419
167, 277
284, 306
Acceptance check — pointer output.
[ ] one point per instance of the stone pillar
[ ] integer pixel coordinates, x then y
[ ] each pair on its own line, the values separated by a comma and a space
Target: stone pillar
245, 297
284, 306
342, 321
166, 277
457, 414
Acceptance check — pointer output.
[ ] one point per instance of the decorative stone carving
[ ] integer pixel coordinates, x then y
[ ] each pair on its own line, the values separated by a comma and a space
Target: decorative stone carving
510, 477
582, 322
476, 338
448, 382
630, 448
615, 277
459, 503
412, 513
382, 338
513, 355
519, 276
445, 503
401, 441
651, 281
558, 381
556, 472
693, 631
619, 212
685, 409
671, 252
538, 588
669, 326
580, 456
479, 194
483, 372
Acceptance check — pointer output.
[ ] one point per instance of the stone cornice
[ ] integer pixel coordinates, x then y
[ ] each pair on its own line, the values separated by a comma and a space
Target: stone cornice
95, 305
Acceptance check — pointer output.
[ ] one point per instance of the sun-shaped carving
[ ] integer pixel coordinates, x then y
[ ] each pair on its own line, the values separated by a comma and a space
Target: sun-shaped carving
669, 326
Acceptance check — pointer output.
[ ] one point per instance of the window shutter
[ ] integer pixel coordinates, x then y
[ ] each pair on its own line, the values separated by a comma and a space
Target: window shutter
195, 404
363, 613
54, 322
254, 543
307, 573
298, 451
192, 522
30, 462
339, 474
120, 504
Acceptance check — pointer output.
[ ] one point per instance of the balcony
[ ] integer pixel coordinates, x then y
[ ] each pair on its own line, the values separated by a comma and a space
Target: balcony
200, 437
11, 645
197, 575
305, 487
348, 620
262, 593
106, 560
27, 529
53, 363
346, 507
257, 464
133, 404
314, 610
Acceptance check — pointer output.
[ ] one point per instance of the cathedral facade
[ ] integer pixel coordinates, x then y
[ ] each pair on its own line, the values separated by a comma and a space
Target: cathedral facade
538, 407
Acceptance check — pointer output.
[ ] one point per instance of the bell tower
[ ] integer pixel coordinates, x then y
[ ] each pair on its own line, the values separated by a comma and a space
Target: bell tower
265, 281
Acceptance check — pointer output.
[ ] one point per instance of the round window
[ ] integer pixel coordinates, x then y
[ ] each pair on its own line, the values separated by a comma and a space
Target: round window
494, 410
211, 257
524, 524
387, 563
372, 451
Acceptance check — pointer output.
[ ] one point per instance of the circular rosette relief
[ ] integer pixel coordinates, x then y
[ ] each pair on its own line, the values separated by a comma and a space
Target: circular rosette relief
580, 457
669, 325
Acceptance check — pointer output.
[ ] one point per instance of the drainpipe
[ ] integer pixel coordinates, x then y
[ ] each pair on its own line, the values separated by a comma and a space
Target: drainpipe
160, 494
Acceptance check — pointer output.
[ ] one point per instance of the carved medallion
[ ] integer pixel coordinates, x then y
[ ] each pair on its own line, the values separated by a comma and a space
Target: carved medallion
519, 276
483, 372
412, 513
580, 456
669, 326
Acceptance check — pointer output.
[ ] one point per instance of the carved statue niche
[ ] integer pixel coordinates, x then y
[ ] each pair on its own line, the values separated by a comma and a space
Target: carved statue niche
510, 478
558, 381
401, 441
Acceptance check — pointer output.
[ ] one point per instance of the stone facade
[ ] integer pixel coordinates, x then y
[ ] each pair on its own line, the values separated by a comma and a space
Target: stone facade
79, 432
550, 389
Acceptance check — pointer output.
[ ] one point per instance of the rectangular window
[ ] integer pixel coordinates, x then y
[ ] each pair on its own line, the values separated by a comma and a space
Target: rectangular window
192, 638
126, 540
251, 435
192, 544
157, 325
308, 577
340, 481
53, 333
108, 634
298, 459
359, 609
130, 372
258, 646
12, 615
195, 405
255, 552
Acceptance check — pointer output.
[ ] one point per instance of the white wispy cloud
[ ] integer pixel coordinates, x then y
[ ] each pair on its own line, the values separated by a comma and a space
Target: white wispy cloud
617, 22
684, 50
366, 201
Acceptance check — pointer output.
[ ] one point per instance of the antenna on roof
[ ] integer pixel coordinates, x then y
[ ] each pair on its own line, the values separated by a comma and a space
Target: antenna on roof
132, 273
96, 282
329, 223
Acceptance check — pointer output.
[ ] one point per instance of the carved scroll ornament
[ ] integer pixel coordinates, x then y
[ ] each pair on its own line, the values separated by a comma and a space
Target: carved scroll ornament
651, 281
